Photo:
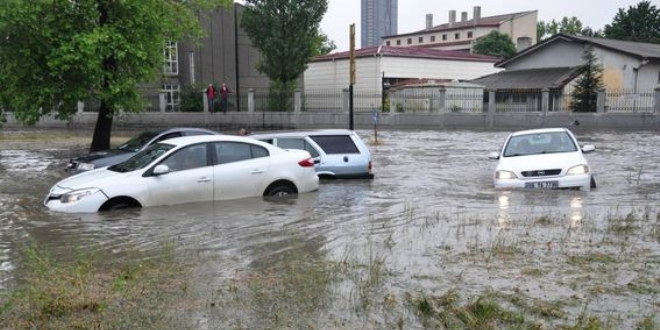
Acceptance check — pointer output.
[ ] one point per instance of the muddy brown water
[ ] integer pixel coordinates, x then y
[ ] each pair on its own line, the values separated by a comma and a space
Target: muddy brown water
430, 212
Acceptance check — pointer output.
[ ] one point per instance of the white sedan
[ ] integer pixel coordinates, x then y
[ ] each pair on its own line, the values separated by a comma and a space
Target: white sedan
548, 158
188, 169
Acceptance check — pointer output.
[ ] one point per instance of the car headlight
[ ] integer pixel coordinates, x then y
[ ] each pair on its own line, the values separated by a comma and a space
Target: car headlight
77, 195
85, 166
578, 169
504, 175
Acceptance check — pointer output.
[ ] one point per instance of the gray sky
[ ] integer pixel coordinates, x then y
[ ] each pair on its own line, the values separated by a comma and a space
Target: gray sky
412, 13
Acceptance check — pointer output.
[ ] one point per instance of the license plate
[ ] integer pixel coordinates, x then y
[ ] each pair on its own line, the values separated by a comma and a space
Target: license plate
542, 185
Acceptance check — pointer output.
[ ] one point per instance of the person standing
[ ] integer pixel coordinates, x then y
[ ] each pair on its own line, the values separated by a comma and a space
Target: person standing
210, 96
224, 91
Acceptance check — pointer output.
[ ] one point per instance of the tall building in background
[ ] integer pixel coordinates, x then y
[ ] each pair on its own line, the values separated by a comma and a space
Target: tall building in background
379, 19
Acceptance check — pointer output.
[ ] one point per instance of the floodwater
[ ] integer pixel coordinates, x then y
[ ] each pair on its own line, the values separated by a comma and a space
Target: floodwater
430, 213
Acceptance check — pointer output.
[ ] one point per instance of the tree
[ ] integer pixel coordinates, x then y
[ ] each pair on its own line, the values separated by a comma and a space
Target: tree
324, 45
640, 23
55, 53
567, 25
495, 43
287, 34
585, 93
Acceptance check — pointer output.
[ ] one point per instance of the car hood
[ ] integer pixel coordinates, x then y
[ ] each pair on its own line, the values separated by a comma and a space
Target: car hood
92, 179
541, 162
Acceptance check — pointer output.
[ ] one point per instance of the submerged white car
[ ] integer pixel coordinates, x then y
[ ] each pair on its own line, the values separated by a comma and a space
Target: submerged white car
549, 158
188, 169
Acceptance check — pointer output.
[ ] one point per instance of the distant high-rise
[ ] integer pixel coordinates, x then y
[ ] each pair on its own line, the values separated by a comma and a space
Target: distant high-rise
379, 19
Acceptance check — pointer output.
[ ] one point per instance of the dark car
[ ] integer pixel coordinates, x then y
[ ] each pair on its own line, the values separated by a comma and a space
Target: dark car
137, 143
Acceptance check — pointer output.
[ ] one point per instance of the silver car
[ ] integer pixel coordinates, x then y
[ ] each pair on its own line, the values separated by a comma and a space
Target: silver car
338, 153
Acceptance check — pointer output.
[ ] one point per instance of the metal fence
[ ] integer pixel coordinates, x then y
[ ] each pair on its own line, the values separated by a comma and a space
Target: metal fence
626, 100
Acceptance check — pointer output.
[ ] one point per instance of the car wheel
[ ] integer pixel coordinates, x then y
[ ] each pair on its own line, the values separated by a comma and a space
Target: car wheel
593, 183
119, 204
280, 191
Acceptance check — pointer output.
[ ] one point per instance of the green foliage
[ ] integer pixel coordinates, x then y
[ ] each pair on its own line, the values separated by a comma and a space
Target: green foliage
590, 82
280, 96
495, 44
287, 34
192, 98
640, 23
55, 53
324, 45
567, 25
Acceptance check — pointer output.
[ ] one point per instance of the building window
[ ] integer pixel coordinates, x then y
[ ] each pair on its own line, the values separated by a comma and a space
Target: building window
398, 42
409, 41
387, 43
172, 97
171, 59
421, 40
444, 37
469, 34
432, 38
457, 35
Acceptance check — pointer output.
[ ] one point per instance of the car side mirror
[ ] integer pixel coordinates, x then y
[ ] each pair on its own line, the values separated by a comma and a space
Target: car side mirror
494, 155
587, 148
161, 169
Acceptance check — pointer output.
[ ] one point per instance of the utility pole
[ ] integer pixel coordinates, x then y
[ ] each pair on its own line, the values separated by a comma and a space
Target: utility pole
352, 76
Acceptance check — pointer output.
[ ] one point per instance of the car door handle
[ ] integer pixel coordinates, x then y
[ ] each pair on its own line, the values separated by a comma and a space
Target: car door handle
257, 171
203, 180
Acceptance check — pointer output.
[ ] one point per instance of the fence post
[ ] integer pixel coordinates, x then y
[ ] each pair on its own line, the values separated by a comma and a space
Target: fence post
161, 101
250, 100
205, 101
442, 99
81, 107
656, 104
297, 101
600, 101
344, 100
491, 107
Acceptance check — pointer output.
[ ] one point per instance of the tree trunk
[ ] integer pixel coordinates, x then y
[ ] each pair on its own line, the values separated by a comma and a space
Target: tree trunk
102, 130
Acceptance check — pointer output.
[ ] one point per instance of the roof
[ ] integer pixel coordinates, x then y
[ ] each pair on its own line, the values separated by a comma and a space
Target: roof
411, 52
540, 130
302, 132
636, 49
529, 79
486, 21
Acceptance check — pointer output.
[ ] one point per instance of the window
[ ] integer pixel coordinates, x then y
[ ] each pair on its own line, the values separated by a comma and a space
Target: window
457, 35
387, 43
444, 37
172, 97
432, 38
409, 41
229, 152
336, 144
171, 58
398, 42
421, 40
469, 34
297, 143
187, 158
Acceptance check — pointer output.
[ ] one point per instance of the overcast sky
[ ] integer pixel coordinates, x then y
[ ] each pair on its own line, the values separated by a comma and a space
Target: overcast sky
412, 13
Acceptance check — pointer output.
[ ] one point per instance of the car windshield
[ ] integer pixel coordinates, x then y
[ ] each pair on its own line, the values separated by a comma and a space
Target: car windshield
142, 158
137, 142
539, 143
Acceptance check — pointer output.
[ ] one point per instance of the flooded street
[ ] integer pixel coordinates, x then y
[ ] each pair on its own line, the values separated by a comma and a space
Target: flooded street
430, 218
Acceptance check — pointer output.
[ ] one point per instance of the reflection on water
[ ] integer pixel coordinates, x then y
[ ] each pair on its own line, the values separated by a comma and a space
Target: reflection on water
432, 193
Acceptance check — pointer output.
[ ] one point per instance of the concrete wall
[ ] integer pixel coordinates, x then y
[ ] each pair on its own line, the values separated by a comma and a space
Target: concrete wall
286, 120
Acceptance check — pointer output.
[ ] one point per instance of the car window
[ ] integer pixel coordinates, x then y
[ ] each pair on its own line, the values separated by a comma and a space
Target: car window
193, 133
168, 136
142, 158
297, 143
532, 144
137, 142
229, 152
336, 144
187, 158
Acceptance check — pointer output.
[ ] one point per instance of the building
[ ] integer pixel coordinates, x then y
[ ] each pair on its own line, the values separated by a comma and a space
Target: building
631, 71
224, 54
378, 19
462, 34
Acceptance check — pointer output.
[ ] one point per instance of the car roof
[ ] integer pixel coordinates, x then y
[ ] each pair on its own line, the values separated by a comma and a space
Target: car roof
189, 129
186, 140
540, 131
331, 131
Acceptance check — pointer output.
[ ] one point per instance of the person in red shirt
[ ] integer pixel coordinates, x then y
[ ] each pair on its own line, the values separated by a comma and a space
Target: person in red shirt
224, 90
210, 95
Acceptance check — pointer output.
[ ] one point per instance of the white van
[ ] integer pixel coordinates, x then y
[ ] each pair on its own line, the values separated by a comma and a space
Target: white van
338, 153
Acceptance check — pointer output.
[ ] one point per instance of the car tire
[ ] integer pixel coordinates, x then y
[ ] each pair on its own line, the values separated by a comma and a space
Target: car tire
593, 183
119, 204
280, 191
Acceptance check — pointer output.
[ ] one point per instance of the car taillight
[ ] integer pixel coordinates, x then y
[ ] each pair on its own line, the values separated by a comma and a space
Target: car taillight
309, 162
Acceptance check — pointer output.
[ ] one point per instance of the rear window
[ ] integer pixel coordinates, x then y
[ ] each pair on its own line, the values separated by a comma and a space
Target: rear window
297, 143
336, 144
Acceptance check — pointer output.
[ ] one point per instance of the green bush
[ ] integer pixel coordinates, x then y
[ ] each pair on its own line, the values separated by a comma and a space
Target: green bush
192, 98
